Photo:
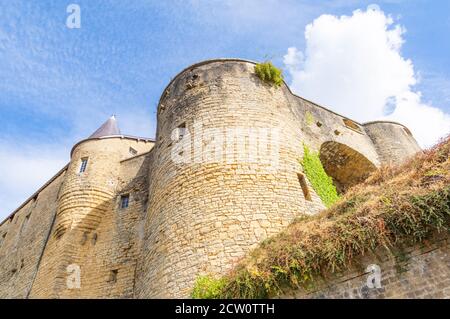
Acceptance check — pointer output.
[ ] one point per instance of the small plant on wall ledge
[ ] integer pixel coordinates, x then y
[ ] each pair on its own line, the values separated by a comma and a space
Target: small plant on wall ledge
268, 73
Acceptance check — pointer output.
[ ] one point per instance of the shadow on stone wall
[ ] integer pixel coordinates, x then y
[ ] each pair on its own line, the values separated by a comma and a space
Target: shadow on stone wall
345, 165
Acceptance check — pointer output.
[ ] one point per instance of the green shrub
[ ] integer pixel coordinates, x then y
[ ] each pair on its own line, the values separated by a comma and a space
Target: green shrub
269, 73
207, 288
320, 181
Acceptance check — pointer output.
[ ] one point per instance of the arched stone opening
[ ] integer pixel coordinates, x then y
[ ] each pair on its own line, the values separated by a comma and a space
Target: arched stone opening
346, 166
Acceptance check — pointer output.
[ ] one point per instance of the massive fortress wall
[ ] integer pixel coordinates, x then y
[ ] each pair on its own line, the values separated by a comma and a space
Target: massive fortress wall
422, 272
196, 204
23, 237
206, 213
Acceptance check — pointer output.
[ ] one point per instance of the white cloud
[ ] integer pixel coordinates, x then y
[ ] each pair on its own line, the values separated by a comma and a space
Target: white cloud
353, 64
427, 123
24, 169
293, 60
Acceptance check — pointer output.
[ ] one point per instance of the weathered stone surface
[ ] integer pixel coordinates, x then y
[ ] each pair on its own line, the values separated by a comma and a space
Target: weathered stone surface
423, 272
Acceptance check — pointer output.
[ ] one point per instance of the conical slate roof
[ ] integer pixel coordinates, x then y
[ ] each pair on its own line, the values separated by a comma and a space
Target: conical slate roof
109, 128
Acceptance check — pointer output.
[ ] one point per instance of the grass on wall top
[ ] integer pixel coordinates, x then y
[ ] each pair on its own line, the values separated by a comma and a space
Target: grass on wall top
397, 206
268, 73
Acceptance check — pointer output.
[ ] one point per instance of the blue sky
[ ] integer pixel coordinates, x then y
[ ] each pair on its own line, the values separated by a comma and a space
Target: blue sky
57, 85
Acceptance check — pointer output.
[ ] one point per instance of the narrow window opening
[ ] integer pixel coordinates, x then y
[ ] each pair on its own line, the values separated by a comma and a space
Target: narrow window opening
181, 131
94, 238
2, 239
304, 185
124, 201
83, 165
352, 125
319, 124
133, 151
84, 238
26, 220
113, 276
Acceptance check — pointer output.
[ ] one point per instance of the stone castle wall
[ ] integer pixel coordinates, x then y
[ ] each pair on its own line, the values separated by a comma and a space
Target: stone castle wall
23, 238
416, 272
89, 230
196, 205
393, 141
210, 209
206, 213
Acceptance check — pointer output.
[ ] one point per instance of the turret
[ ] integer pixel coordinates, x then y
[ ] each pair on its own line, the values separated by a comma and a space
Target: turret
87, 199
91, 179
394, 142
225, 174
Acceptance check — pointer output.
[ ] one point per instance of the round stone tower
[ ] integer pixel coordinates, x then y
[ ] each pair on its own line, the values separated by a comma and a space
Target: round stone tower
91, 179
225, 174
394, 142
87, 195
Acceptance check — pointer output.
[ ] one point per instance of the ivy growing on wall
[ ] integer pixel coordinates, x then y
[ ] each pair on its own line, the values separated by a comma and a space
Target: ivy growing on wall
269, 73
320, 181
